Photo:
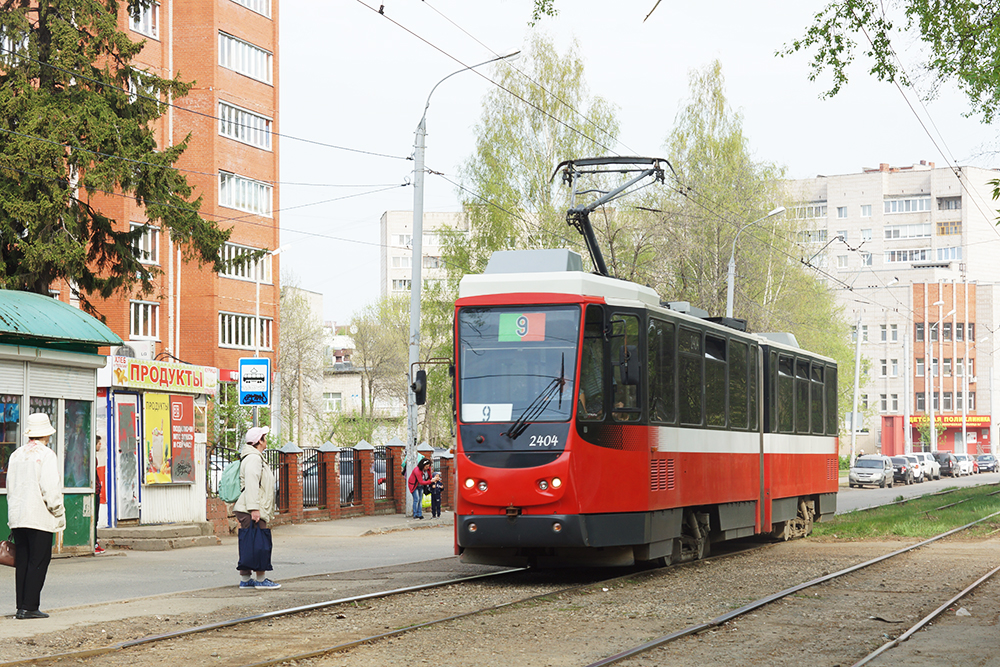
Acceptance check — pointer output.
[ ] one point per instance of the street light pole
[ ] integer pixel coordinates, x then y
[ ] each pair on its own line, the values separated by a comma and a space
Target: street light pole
732, 259
930, 398
416, 245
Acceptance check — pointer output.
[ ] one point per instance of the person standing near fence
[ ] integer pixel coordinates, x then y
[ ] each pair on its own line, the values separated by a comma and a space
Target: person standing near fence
35, 512
255, 506
420, 480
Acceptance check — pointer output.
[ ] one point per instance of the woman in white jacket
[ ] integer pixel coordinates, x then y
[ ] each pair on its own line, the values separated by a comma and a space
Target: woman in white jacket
256, 502
35, 512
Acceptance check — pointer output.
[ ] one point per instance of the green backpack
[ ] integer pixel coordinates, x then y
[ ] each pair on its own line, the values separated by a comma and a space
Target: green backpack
229, 484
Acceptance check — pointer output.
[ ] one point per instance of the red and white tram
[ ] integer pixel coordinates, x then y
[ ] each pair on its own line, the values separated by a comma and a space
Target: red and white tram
598, 426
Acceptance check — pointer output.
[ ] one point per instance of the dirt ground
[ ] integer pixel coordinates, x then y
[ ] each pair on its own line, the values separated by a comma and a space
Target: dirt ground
835, 623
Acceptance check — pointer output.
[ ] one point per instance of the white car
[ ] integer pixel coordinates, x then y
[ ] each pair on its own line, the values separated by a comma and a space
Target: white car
964, 464
918, 471
930, 465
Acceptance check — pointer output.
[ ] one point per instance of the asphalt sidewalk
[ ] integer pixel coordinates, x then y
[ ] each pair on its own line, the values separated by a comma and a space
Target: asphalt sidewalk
121, 584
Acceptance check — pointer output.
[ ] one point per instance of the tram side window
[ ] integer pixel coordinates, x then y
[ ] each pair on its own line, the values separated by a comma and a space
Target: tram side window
801, 396
831, 401
661, 371
738, 358
591, 399
816, 399
752, 391
625, 360
786, 394
690, 385
715, 380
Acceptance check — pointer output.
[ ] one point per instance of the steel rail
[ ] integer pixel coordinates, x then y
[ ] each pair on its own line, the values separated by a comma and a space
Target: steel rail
719, 620
89, 653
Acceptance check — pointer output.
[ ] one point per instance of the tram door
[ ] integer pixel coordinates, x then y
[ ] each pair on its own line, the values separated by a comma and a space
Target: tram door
126, 490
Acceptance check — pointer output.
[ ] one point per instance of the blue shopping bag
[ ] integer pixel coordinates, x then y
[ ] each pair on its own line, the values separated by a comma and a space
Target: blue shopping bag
255, 549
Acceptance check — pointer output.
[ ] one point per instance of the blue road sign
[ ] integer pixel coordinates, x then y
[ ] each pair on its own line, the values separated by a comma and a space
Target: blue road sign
255, 381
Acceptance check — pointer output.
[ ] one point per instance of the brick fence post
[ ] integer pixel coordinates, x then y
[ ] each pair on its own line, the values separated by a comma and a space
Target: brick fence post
364, 452
448, 476
394, 470
329, 479
291, 482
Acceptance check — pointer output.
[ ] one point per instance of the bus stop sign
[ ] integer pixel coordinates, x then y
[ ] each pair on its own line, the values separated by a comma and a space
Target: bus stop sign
255, 381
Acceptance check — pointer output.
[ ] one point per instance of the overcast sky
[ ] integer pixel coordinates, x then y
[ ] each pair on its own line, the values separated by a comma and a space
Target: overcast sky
351, 78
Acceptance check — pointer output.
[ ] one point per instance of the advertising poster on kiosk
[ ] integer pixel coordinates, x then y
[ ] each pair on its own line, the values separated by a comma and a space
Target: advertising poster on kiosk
156, 438
182, 438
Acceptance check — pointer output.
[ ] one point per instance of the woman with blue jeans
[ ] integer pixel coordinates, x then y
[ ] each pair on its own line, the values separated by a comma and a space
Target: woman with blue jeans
420, 479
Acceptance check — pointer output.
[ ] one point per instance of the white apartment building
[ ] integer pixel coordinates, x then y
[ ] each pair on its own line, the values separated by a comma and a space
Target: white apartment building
911, 253
396, 256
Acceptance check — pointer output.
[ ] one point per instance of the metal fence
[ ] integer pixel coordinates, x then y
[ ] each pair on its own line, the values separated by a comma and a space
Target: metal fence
219, 457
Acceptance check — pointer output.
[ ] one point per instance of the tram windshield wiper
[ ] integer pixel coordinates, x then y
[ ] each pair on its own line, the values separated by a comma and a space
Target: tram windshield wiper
541, 402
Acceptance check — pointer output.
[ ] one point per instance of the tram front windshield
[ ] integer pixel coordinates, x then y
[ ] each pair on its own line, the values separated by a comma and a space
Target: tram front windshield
517, 363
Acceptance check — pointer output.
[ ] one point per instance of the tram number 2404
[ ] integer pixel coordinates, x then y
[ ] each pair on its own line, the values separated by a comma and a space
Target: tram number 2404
544, 441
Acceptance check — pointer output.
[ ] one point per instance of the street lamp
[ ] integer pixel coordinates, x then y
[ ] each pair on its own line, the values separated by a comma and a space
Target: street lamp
416, 244
930, 371
732, 259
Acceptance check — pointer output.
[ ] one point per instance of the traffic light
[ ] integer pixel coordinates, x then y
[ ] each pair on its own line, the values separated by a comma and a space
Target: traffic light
419, 387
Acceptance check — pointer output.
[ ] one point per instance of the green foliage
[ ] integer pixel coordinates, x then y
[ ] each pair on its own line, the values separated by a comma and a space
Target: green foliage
300, 358
347, 430
960, 40
924, 431
921, 517
73, 136
542, 8
381, 333
230, 420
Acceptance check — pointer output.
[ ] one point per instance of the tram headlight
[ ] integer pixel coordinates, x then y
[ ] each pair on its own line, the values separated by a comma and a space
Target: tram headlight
469, 483
543, 485
472, 528
482, 485
556, 527
556, 482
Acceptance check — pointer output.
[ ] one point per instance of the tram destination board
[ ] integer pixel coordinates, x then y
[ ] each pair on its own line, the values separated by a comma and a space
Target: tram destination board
255, 381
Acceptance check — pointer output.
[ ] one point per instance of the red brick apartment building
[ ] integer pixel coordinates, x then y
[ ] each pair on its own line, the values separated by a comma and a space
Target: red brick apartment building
229, 49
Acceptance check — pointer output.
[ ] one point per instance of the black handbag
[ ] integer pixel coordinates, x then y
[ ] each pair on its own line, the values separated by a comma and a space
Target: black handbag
255, 549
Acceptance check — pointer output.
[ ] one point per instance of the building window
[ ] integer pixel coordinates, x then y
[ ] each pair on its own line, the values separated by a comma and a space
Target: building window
918, 331
864, 333
866, 235
239, 265
883, 403
145, 320
907, 205
432, 262
884, 366
921, 407
949, 228
402, 262
262, 7
972, 331
972, 400
813, 236
841, 211
883, 333
866, 259
934, 331
431, 238
935, 397
895, 402
960, 331
959, 367
958, 401
864, 401
145, 246
972, 364
143, 20
866, 211
841, 261
920, 368
934, 368
842, 235
401, 285
893, 333
244, 194
811, 211
918, 255
332, 402
949, 254
237, 331
946, 363
947, 331
894, 367
10, 47
402, 240
854, 333
244, 58
916, 231
946, 401
244, 126
949, 203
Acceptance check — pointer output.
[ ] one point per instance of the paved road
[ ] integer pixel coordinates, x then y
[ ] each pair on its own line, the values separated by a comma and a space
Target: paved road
849, 499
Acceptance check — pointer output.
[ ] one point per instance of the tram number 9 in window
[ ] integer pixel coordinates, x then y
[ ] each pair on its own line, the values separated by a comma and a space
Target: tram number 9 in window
544, 441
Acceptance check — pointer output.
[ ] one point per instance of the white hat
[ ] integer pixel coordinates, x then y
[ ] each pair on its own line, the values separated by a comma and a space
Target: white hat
38, 425
256, 433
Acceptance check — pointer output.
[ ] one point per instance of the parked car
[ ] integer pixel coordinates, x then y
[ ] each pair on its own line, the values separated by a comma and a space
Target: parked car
871, 470
918, 472
902, 470
949, 464
929, 464
987, 463
965, 464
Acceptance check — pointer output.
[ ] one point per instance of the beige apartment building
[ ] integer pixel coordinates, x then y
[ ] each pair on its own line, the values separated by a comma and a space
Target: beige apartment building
396, 255
911, 254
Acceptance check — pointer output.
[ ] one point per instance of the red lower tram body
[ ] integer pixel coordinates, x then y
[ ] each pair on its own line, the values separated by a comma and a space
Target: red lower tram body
597, 427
